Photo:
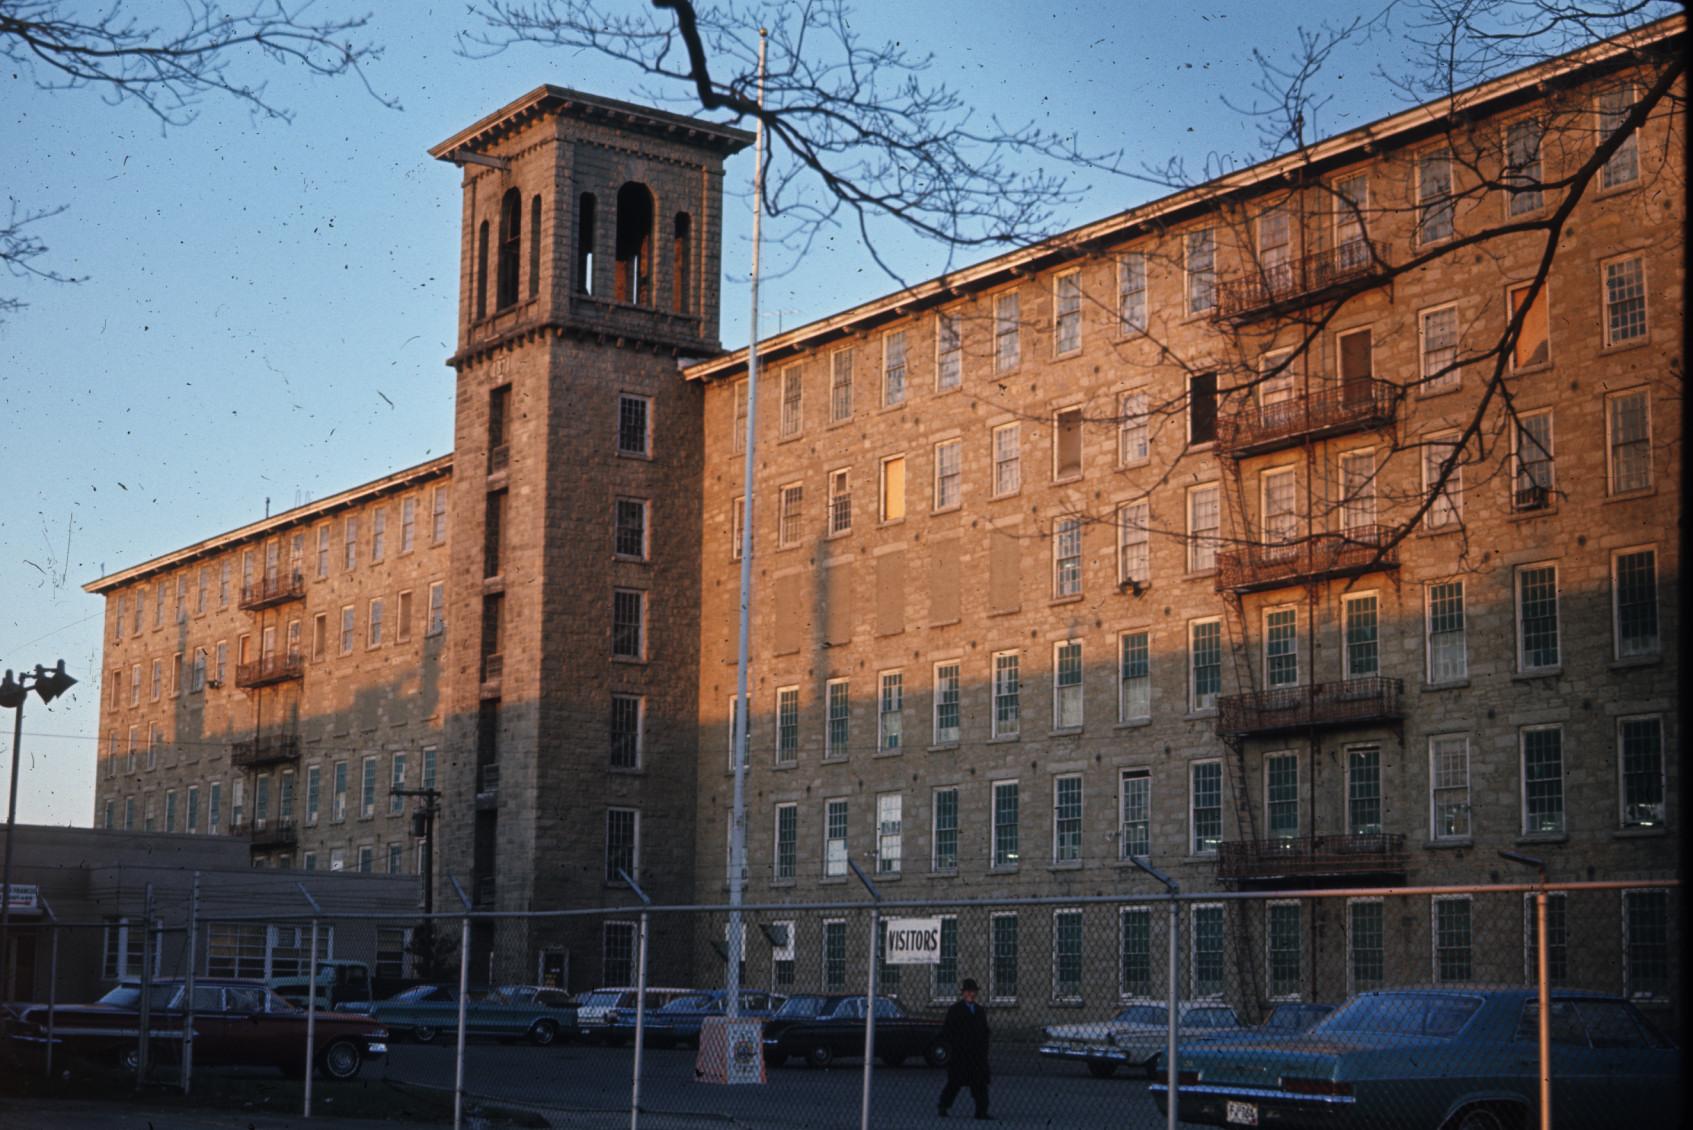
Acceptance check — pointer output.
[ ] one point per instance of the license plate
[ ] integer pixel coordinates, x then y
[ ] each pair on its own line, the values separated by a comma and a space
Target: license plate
1242, 1114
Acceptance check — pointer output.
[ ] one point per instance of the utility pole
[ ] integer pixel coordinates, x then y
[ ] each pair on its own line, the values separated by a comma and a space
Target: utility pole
423, 824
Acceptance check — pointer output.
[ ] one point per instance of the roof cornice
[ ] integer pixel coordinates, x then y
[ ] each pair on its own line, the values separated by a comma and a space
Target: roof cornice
724, 140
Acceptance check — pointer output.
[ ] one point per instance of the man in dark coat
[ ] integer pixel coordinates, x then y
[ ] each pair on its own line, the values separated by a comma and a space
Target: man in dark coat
965, 1033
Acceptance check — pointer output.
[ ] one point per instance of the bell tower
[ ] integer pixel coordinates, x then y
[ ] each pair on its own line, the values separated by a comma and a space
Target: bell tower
589, 263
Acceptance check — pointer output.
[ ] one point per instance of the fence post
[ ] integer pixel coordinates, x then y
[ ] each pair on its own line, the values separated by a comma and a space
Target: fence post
145, 1016
640, 1000
311, 1000
464, 988
1172, 1006
52, 977
188, 985
1542, 992
869, 998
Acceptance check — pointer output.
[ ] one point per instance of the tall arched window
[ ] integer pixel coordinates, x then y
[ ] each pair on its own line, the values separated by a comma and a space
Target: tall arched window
511, 246
585, 244
534, 245
634, 243
482, 271
681, 261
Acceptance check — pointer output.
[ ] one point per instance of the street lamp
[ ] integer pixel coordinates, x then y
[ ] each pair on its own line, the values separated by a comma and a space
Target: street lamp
14, 689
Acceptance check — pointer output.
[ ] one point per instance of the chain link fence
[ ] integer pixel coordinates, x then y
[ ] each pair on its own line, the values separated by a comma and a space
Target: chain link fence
1377, 1008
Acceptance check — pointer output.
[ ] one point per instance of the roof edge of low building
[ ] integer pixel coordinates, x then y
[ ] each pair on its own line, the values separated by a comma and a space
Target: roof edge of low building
1080, 240
352, 496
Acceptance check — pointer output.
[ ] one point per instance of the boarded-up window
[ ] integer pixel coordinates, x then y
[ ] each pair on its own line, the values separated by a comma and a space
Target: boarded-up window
790, 616
1067, 455
1004, 571
837, 604
1532, 346
943, 581
890, 593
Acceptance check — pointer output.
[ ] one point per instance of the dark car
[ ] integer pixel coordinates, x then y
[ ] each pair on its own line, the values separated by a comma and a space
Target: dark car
1438, 1059
821, 1029
236, 1023
680, 1021
1294, 1016
425, 1012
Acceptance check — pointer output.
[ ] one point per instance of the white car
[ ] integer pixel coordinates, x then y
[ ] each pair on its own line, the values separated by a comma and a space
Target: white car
600, 1012
1137, 1036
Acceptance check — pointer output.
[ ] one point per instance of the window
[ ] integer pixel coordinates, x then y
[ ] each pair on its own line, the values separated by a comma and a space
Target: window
949, 474
1007, 325
835, 838
1006, 689
893, 488
946, 703
428, 774
1557, 939
1281, 794
1284, 950
834, 955
890, 711
1625, 300
190, 824
893, 369
378, 533
840, 503
408, 523
1522, 174
135, 685
628, 624
1131, 293
1359, 626
156, 679
945, 833
1281, 647
437, 607
840, 392
1201, 409
129, 814
222, 665
373, 636
182, 597
1366, 944
1199, 248
787, 725
1532, 488
1443, 477
1437, 336
1067, 316
1135, 830
791, 515
1640, 763
627, 711
1067, 557
631, 528
1134, 933
889, 833
1275, 250
1645, 929
1134, 557
1629, 436
1537, 617
634, 425
510, 245
1067, 685
737, 526
1067, 818
734, 734
159, 605
787, 842
1543, 780
681, 259
1447, 651
1614, 106
1007, 460
197, 672
949, 353
622, 843
1533, 345
618, 954
338, 809
1205, 664
349, 547
1002, 958
323, 536
396, 780
314, 794
1452, 938
1205, 806
214, 808
1280, 522
1363, 791
1133, 438
1449, 787
1207, 955
793, 403
201, 583
836, 736
1134, 688
438, 516
946, 969
1435, 205
1067, 444
367, 788
1004, 830
1203, 518
1067, 955
170, 810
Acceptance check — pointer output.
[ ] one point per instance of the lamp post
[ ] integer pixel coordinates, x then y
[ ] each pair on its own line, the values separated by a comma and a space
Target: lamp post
14, 689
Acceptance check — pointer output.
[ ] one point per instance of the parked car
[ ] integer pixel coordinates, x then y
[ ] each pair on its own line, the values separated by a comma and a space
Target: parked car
236, 1023
426, 1011
821, 1029
1453, 1059
343, 985
1136, 1036
1294, 1016
608, 1015
679, 1022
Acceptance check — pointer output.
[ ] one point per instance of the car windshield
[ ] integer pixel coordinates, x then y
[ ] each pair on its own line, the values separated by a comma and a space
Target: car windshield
1209, 1018
1144, 1014
129, 996
1292, 1017
1403, 1014
799, 1007
417, 993
693, 1003
602, 1000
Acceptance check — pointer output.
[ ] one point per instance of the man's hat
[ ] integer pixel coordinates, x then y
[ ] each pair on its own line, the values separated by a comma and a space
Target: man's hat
969, 986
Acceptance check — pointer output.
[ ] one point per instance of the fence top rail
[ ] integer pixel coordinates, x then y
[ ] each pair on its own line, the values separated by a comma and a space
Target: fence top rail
888, 905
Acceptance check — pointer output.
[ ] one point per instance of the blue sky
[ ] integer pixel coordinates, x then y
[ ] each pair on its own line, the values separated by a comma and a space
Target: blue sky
267, 305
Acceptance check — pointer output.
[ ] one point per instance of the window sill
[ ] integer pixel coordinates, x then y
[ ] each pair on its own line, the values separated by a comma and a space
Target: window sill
780, 440
1065, 480
949, 508
1445, 530
897, 752
833, 880
954, 622
1453, 685
1539, 366
886, 876
1198, 715
1543, 838
950, 389
782, 882
629, 557
1625, 346
642, 456
1068, 598
1427, 392
1064, 732
1067, 865
1456, 842
1548, 511
1630, 495
1200, 857
632, 660
943, 747
1133, 724
1005, 739
1655, 832
1203, 448
1537, 674
837, 535
1634, 661
1006, 495
1200, 574
834, 759
944, 873
784, 766
883, 409
1004, 869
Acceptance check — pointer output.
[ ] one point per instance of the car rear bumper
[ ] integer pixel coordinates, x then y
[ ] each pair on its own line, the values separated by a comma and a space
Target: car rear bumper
1208, 1104
1097, 1054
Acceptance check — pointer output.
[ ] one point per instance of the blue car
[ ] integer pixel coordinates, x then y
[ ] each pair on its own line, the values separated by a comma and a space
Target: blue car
679, 1022
1439, 1059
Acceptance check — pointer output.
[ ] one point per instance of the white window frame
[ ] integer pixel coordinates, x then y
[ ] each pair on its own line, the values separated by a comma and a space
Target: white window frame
1067, 313
787, 702
1434, 832
1007, 332
994, 862
792, 419
839, 483
1059, 996
1067, 568
882, 488
1131, 293
1193, 847
935, 866
1134, 539
896, 357
1522, 780
1521, 624
1124, 776
1058, 857
1134, 439
1428, 633
1298, 805
1199, 280
840, 385
1530, 173
1005, 729
1622, 773
1269, 951
1630, 148
1447, 509
945, 500
949, 351
1060, 708
1347, 602
646, 451
1431, 204
835, 864
1293, 652
942, 691
1523, 483
1434, 937
1605, 267
776, 872
1007, 467
1436, 376
1352, 985
1611, 400
1126, 713
1202, 545
1194, 703
994, 979
1193, 953
890, 862
831, 749
1059, 475
737, 523
790, 514
1657, 642
892, 678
